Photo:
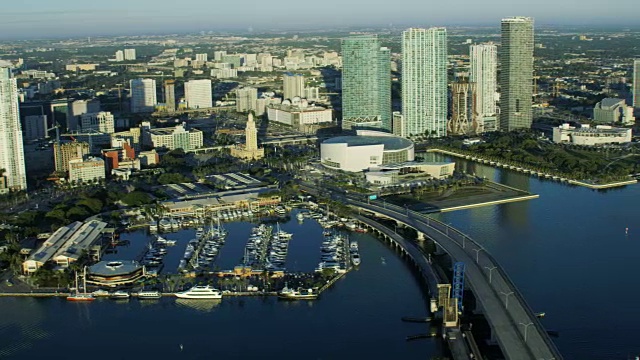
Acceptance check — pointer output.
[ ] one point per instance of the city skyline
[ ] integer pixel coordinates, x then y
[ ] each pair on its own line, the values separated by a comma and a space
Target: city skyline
119, 17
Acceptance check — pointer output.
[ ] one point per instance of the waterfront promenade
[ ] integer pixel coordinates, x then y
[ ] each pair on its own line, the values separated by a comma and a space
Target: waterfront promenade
514, 325
539, 174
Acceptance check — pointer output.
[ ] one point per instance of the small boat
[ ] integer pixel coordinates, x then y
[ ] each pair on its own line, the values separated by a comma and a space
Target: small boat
355, 259
300, 294
99, 293
148, 295
353, 246
117, 295
300, 216
200, 292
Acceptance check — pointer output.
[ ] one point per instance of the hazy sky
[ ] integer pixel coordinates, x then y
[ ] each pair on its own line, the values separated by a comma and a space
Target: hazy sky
47, 18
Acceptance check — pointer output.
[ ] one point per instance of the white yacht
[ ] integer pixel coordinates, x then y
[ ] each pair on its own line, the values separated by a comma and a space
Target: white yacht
148, 294
119, 295
200, 292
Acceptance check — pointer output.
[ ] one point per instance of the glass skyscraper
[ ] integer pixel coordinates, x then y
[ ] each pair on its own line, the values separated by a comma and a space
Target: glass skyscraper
11, 147
366, 82
516, 73
424, 81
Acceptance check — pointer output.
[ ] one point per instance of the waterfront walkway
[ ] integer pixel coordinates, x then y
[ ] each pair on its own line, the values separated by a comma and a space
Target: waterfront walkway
514, 325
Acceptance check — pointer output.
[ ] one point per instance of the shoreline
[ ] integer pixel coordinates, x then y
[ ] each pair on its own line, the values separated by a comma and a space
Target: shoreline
541, 175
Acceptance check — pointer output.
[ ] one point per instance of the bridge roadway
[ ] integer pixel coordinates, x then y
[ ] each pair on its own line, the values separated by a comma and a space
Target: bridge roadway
515, 327
459, 348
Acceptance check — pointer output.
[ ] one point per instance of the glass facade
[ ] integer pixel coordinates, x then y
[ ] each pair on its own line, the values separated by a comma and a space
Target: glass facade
516, 73
636, 83
424, 82
366, 80
484, 73
11, 147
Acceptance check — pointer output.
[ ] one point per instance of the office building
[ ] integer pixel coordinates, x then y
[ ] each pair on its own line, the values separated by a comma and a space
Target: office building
484, 73
119, 55
202, 58
366, 82
636, 84
35, 127
86, 170
246, 99
130, 54
293, 85
170, 95
298, 115
79, 108
176, 138
14, 176
424, 82
397, 123
613, 111
198, 94
516, 73
65, 152
98, 122
143, 95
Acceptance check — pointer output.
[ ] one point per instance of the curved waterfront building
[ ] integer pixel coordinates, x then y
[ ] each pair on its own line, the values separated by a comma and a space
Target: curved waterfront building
358, 153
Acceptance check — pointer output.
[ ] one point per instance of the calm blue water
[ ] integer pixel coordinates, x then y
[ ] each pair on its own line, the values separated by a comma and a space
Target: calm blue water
570, 257
359, 317
567, 251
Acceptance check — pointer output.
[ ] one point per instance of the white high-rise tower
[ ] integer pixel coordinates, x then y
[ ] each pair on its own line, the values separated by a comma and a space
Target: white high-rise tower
14, 175
424, 82
636, 84
484, 73
198, 94
143, 95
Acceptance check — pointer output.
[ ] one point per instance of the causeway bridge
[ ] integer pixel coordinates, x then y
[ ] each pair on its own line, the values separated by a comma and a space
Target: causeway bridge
514, 325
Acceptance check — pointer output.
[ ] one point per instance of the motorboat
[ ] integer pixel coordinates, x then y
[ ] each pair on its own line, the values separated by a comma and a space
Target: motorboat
99, 293
149, 295
355, 259
200, 292
119, 295
299, 294
353, 246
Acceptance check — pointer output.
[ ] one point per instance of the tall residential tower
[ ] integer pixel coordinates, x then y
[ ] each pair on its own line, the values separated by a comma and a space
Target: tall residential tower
484, 73
424, 82
516, 73
366, 82
14, 176
636, 84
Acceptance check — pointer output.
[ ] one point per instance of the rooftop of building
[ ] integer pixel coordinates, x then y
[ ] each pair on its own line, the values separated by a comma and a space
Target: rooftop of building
610, 102
169, 130
114, 268
390, 142
69, 240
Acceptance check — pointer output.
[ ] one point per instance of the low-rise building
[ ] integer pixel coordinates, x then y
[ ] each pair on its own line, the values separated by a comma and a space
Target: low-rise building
148, 158
406, 172
115, 273
89, 169
613, 111
247, 199
298, 113
132, 136
65, 245
586, 135
178, 137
